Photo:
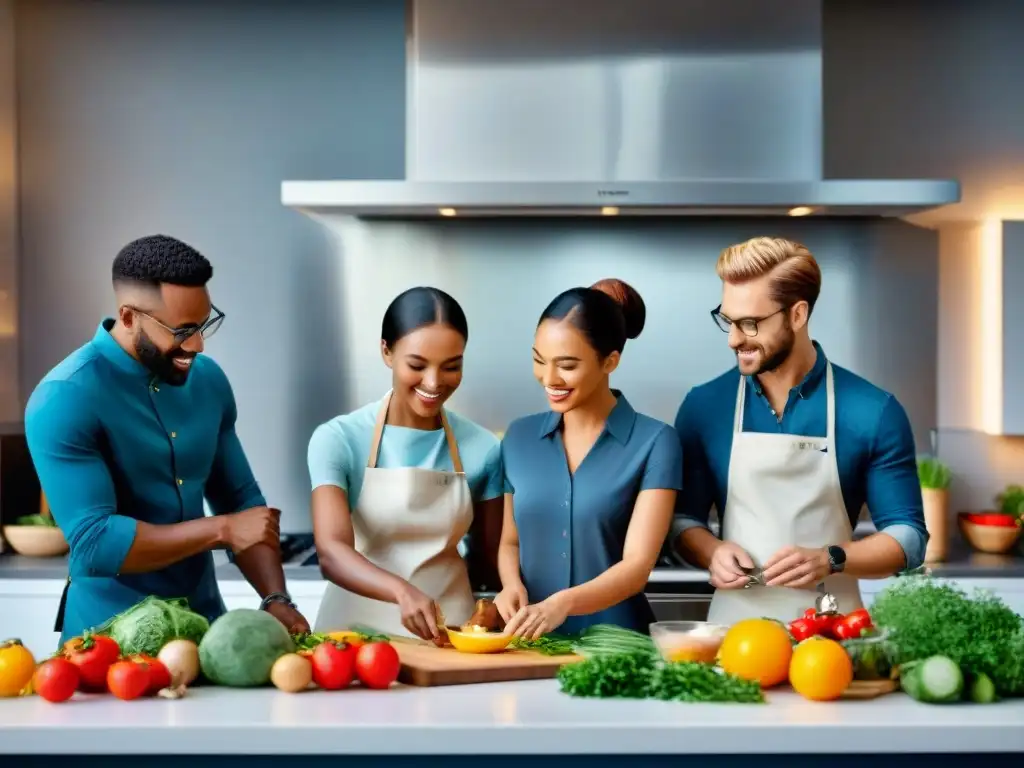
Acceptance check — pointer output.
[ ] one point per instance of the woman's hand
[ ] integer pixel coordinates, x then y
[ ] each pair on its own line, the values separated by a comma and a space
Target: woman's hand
510, 600
533, 621
419, 613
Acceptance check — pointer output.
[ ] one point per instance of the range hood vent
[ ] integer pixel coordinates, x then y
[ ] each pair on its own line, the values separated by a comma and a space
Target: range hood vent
602, 107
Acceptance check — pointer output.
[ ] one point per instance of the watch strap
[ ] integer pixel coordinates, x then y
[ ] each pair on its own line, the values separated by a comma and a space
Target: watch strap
276, 597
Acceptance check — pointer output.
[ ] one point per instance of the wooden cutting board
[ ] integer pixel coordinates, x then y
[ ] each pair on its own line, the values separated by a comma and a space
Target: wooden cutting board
428, 665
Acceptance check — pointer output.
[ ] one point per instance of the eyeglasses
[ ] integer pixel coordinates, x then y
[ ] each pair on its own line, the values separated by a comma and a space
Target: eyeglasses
207, 328
747, 325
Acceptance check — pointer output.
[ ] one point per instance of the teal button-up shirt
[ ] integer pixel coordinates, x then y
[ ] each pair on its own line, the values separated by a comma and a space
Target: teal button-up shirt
874, 448
572, 526
113, 446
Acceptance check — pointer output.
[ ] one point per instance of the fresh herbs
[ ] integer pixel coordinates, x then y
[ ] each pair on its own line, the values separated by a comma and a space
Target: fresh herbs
932, 473
980, 633
1011, 501
38, 521
307, 641
549, 645
598, 640
639, 674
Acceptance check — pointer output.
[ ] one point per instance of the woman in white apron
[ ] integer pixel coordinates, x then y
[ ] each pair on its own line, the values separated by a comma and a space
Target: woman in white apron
398, 484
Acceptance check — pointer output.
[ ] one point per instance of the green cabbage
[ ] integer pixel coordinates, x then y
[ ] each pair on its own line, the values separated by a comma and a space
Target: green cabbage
242, 646
148, 626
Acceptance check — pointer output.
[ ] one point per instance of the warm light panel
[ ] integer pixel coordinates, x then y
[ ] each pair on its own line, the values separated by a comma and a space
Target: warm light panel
991, 307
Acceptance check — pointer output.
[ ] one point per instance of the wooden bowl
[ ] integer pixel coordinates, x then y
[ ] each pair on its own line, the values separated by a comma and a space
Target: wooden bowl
992, 534
36, 540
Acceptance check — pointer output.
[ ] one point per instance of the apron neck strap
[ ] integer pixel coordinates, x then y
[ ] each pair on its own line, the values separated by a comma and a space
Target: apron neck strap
830, 398
378, 432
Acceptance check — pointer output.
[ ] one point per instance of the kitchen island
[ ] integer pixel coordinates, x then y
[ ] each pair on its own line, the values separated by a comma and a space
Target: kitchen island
503, 721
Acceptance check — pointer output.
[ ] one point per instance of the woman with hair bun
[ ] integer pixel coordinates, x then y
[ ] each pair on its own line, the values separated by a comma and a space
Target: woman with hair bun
590, 485
398, 483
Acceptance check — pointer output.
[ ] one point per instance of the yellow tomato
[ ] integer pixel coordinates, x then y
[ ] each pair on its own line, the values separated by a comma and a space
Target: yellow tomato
347, 636
758, 650
17, 666
820, 669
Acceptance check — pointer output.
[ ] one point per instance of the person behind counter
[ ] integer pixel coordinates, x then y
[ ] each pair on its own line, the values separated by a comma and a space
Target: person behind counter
399, 483
789, 447
130, 432
591, 483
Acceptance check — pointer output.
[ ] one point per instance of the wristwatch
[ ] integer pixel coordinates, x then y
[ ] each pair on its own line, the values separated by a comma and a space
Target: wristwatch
836, 559
276, 597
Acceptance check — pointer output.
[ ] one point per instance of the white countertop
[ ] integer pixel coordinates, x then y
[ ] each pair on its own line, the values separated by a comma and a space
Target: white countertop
501, 718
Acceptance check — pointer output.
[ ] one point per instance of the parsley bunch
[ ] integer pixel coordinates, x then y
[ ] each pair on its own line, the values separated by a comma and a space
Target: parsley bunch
979, 632
641, 675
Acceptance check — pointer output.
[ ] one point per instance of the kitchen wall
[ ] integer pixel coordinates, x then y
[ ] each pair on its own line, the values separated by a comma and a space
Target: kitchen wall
922, 88
184, 118
10, 405
504, 272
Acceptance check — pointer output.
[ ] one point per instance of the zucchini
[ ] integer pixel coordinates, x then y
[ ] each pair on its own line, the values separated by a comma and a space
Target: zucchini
935, 680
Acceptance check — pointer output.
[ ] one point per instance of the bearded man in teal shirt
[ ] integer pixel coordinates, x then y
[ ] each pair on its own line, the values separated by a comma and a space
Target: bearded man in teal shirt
131, 433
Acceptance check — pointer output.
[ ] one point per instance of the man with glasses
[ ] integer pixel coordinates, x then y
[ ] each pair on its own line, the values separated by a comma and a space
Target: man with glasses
788, 448
129, 435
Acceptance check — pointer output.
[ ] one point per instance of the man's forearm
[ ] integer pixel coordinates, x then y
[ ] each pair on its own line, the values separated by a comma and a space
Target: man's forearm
261, 566
158, 546
877, 556
697, 545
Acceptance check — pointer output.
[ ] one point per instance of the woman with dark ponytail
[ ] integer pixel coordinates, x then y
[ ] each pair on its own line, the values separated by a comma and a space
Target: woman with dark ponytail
590, 485
398, 483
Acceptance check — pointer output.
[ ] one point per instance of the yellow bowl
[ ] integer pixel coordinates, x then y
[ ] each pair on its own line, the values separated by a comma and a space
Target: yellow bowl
36, 540
477, 642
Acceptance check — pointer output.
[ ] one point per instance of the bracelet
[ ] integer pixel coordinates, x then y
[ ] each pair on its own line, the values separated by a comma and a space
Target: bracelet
276, 597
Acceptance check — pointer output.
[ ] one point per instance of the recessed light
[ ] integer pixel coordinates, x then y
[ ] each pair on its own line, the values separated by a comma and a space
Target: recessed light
801, 210
609, 210
447, 211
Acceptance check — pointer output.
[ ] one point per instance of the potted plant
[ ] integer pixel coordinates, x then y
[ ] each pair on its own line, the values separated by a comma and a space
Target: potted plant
935, 478
996, 531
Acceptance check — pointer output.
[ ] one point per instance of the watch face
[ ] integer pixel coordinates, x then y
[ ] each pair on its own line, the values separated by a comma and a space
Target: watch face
838, 555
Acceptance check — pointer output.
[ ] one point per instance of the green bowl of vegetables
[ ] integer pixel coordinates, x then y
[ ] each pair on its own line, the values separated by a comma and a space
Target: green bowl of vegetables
874, 654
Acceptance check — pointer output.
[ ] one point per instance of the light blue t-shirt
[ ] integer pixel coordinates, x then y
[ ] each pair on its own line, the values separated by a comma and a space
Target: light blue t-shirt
340, 448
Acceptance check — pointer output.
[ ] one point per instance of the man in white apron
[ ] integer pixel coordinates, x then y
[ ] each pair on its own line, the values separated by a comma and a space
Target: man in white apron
789, 448
408, 521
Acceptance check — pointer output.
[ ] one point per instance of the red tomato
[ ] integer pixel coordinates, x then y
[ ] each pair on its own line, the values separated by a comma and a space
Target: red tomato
801, 629
93, 656
159, 675
334, 665
377, 665
128, 679
56, 679
853, 625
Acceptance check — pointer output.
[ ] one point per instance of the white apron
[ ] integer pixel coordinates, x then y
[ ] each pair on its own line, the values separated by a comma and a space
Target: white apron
408, 521
783, 490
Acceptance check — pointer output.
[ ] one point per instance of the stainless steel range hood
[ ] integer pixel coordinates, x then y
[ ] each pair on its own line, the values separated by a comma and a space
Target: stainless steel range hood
603, 107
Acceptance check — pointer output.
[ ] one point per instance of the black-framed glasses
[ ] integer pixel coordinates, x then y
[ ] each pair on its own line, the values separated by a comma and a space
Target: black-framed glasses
747, 325
207, 328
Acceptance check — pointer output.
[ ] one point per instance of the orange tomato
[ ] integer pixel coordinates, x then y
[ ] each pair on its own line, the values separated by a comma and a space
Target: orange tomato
347, 636
758, 650
820, 669
17, 665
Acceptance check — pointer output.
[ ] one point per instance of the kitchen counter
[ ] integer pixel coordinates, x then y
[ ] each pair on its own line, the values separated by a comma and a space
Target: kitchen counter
501, 719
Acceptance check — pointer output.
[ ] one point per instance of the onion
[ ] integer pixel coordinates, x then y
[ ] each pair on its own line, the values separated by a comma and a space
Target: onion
181, 657
292, 673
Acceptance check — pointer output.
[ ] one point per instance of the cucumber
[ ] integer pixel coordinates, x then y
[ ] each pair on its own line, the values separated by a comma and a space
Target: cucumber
983, 690
935, 680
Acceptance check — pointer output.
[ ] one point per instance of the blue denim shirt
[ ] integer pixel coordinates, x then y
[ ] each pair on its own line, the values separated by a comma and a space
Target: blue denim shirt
572, 527
874, 448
